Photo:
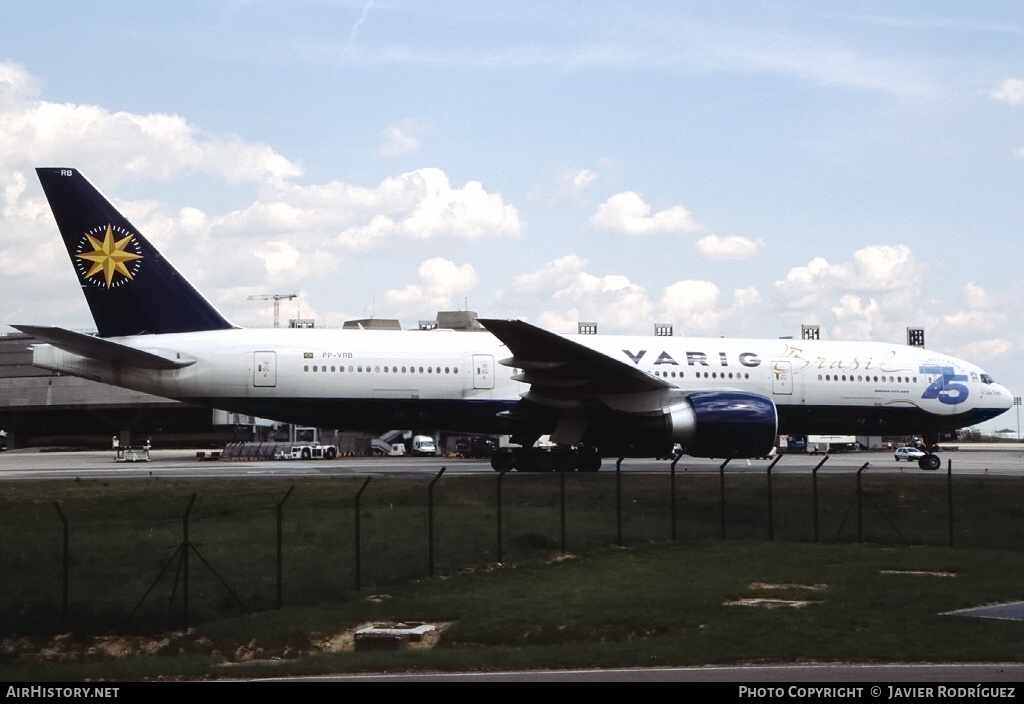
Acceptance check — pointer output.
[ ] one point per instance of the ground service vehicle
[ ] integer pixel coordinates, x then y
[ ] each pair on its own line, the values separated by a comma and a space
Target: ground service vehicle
306, 452
423, 445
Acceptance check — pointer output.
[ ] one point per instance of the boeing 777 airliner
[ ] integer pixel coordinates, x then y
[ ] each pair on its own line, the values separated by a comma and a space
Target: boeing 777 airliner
611, 396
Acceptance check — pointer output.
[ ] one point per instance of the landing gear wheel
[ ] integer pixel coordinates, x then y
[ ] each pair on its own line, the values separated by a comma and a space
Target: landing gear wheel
588, 460
525, 460
930, 462
502, 461
546, 461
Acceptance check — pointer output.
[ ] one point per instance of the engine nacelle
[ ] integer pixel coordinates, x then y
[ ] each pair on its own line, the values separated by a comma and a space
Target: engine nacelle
724, 424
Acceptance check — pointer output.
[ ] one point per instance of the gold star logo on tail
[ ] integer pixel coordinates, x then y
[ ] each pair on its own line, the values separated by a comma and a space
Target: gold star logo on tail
110, 258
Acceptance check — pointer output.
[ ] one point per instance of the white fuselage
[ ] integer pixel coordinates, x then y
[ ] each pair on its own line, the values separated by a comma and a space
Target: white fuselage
287, 374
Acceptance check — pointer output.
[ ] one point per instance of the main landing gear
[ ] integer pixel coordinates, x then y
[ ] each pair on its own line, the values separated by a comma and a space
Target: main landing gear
531, 459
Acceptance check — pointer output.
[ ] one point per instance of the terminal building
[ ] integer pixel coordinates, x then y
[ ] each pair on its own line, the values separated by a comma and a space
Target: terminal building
39, 408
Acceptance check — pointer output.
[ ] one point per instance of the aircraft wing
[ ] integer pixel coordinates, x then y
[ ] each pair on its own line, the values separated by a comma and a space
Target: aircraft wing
101, 349
565, 374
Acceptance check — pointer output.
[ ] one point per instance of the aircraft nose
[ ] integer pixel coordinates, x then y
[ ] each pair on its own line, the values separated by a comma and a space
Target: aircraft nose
1003, 399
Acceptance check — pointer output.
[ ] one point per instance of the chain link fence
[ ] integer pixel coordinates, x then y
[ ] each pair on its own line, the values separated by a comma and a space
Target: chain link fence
150, 556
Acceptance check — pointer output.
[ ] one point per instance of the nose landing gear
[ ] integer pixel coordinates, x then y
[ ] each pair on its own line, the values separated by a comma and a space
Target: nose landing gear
930, 461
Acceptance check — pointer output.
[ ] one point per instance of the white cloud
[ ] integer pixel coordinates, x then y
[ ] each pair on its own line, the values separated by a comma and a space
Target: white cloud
554, 276
692, 306
617, 302
279, 256
415, 206
874, 268
18, 88
626, 213
980, 313
34, 132
403, 138
989, 349
746, 297
442, 282
287, 238
564, 321
871, 297
1009, 91
422, 205
571, 183
695, 307
855, 318
622, 306
714, 247
690, 296
975, 297
583, 178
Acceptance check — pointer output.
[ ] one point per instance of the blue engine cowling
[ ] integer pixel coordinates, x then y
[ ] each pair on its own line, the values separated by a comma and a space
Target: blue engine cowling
724, 424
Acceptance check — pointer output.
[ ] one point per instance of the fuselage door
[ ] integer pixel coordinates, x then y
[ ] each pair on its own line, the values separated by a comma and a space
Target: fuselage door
264, 368
483, 371
782, 377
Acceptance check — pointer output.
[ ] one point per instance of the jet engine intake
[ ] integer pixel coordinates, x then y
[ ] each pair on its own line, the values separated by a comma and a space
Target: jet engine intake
724, 424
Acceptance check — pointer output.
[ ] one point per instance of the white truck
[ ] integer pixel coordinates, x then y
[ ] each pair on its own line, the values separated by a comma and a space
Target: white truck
828, 444
423, 445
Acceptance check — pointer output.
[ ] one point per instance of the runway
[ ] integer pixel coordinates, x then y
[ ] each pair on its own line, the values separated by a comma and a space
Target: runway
33, 465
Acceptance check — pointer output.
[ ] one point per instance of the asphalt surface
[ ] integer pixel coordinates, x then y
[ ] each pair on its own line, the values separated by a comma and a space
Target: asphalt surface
22, 465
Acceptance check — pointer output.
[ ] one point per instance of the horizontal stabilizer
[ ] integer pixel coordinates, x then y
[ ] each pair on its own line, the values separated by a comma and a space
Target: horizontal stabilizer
100, 349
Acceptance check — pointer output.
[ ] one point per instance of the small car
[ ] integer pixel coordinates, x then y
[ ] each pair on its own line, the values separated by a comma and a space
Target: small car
910, 454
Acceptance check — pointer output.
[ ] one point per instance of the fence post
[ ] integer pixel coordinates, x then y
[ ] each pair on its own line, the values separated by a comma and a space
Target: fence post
357, 548
430, 522
771, 516
860, 520
185, 545
814, 494
501, 476
618, 500
949, 497
280, 548
561, 480
721, 502
65, 570
672, 493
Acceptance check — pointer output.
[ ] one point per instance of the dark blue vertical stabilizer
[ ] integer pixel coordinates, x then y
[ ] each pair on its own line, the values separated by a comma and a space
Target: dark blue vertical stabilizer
131, 289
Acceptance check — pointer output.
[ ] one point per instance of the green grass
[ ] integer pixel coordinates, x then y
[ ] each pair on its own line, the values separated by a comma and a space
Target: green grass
653, 605
648, 601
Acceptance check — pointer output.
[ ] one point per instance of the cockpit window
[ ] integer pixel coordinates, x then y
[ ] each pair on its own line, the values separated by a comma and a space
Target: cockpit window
986, 379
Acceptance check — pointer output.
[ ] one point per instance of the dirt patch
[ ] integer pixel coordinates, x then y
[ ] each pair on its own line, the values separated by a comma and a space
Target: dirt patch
766, 599
770, 603
921, 573
67, 647
771, 585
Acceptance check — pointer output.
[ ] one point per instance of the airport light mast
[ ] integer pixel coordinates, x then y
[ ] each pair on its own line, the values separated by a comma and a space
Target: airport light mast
276, 298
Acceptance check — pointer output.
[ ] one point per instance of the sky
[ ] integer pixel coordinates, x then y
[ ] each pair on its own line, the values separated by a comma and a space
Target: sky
736, 169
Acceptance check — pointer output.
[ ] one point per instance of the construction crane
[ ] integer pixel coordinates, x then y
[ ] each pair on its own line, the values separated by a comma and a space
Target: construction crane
276, 298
